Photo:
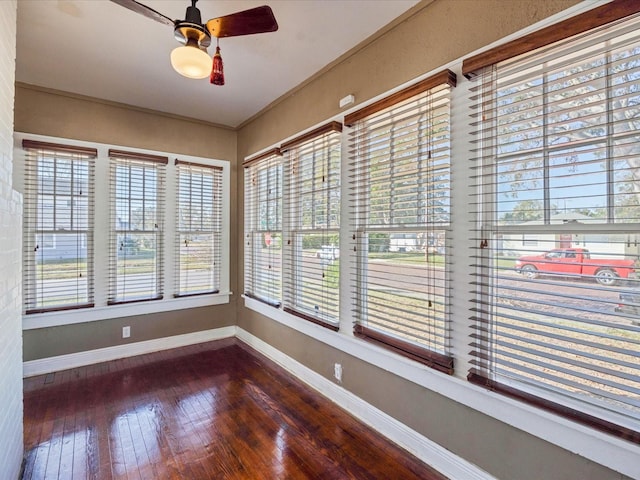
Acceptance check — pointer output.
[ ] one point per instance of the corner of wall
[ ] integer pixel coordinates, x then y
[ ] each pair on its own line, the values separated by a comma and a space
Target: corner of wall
11, 448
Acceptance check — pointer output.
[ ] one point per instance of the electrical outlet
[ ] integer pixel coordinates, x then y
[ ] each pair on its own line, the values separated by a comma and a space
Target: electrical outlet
337, 372
126, 332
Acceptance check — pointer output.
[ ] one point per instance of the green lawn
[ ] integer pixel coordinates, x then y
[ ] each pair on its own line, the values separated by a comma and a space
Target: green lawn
403, 257
65, 269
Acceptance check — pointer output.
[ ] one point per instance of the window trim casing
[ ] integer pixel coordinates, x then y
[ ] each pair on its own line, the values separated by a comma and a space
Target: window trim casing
102, 311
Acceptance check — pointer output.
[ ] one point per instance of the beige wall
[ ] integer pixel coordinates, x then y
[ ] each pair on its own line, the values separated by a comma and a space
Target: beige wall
44, 112
58, 114
79, 337
443, 31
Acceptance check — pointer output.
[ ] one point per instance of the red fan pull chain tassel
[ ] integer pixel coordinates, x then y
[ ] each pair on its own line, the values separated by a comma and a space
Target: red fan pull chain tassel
217, 72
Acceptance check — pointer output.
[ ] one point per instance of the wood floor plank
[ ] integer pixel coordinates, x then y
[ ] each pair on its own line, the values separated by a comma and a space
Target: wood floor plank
65, 468
217, 410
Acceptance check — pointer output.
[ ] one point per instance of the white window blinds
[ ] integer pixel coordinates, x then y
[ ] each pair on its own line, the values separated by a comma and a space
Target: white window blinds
399, 170
58, 227
137, 183
198, 224
312, 222
263, 228
556, 317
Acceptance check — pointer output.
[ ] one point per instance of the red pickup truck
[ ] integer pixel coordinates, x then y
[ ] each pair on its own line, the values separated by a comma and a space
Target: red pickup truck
577, 262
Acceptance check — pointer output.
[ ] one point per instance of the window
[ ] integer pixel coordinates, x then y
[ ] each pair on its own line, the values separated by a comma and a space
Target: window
198, 223
137, 211
557, 150
400, 175
312, 219
58, 227
49, 241
102, 249
263, 227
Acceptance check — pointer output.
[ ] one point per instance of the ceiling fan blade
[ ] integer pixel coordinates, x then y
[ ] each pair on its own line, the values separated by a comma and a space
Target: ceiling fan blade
247, 22
144, 10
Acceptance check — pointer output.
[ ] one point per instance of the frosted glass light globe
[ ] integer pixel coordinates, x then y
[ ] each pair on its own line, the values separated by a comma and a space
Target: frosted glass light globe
191, 62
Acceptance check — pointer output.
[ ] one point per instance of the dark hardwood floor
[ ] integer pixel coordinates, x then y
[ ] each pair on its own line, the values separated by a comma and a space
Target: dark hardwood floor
217, 410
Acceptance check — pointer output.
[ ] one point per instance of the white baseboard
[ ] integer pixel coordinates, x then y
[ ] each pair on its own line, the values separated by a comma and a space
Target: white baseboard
426, 450
80, 359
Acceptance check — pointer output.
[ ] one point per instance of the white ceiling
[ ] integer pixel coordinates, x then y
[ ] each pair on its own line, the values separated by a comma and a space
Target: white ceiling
100, 49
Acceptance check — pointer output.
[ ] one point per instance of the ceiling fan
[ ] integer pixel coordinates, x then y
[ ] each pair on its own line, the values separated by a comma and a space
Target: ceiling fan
191, 59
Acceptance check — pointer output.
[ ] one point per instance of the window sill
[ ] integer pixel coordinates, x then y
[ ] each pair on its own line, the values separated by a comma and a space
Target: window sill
612, 452
69, 317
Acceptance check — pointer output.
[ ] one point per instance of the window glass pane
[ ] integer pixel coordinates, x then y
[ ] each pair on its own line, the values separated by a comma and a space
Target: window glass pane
315, 279
61, 270
267, 252
406, 293
197, 263
566, 316
137, 266
578, 183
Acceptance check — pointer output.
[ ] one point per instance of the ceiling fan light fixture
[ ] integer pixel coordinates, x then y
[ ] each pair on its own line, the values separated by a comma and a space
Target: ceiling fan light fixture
190, 61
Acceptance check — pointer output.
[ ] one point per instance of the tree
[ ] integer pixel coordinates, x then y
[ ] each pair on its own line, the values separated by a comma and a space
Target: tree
525, 211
